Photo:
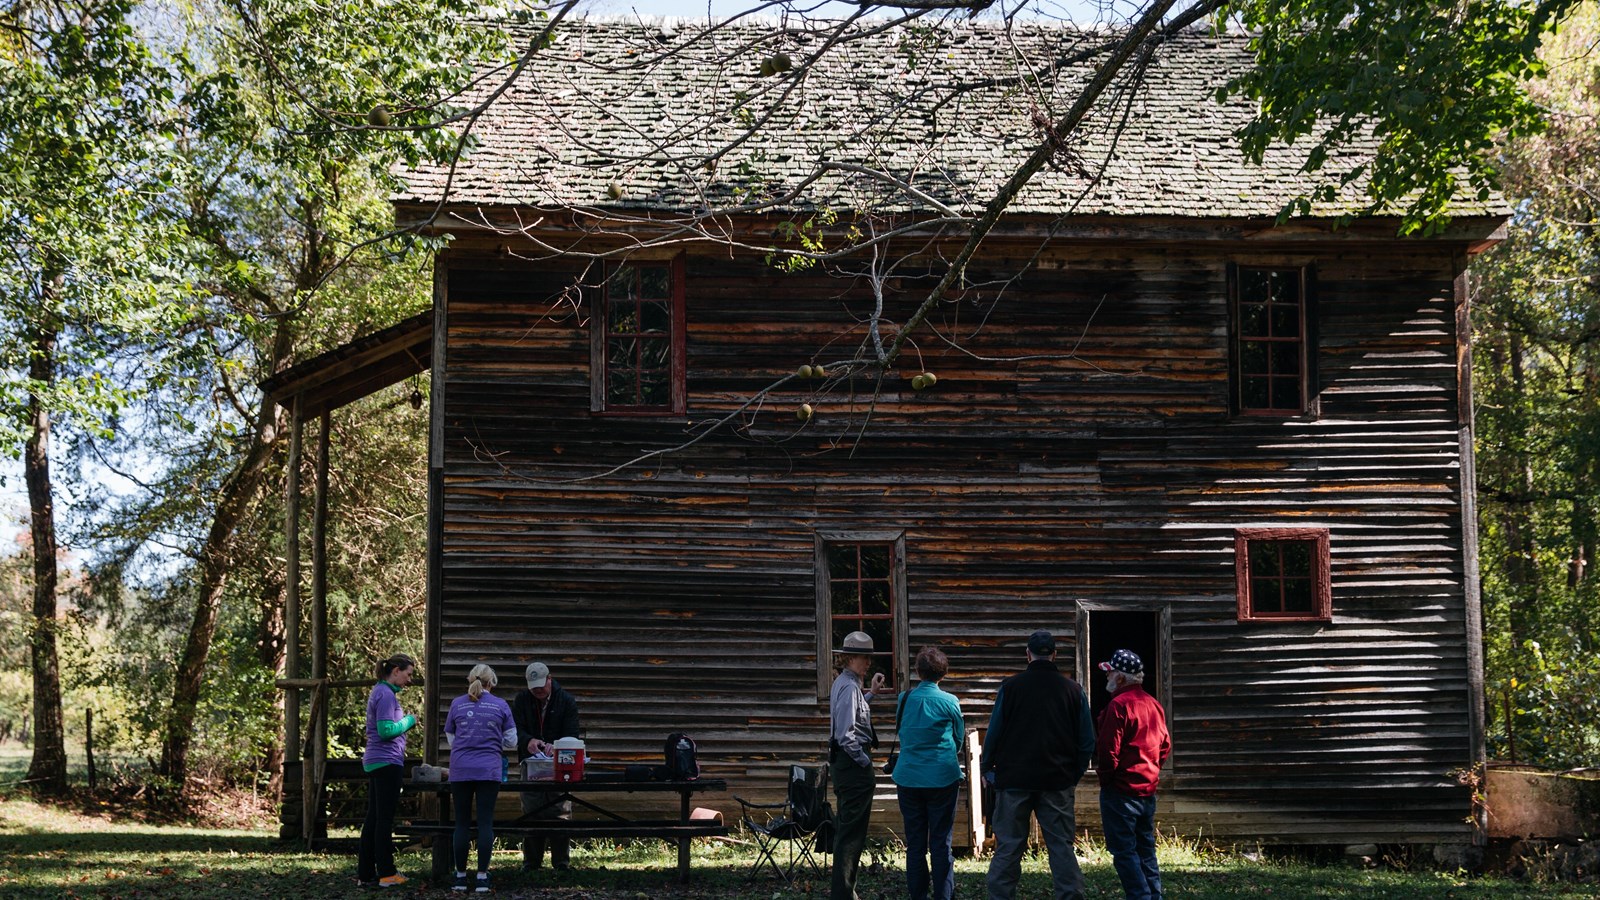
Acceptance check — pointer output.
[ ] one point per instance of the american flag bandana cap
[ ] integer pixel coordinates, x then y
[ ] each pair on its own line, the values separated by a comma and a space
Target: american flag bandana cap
1125, 661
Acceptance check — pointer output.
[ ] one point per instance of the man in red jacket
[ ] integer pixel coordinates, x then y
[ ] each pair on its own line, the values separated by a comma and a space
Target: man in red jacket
1131, 746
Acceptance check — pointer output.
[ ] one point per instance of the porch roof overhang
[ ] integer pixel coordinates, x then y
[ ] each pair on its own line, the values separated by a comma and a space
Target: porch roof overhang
349, 372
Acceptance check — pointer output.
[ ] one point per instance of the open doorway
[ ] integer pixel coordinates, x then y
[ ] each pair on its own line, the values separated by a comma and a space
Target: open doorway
1108, 629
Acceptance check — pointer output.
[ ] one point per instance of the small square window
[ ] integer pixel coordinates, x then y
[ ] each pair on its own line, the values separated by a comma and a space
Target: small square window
638, 346
1271, 345
1283, 575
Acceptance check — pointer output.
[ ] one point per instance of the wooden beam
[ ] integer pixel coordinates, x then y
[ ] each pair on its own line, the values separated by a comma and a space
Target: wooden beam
490, 230
291, 595
1472, 598
312, 683
352, 365
976, 832
319, 556
360, 367
310, 795
434, 613
366, 382
317, 765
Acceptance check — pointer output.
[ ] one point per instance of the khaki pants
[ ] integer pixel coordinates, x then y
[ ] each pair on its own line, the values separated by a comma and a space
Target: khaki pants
1053, 809
852, 791
539, 806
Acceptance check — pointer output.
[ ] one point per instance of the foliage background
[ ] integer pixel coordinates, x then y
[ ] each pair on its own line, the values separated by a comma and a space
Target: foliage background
1537, 390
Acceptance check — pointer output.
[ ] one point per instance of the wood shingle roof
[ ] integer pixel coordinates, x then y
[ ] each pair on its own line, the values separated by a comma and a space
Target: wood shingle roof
607, 118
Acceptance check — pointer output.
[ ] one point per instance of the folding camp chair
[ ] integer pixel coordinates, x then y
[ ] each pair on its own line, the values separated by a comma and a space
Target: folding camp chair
797, 824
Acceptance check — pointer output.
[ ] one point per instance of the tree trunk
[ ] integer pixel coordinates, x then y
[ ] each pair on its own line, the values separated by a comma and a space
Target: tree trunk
269, 653
1583, 524
239, 490
1524, 571
1527, 571
48, 769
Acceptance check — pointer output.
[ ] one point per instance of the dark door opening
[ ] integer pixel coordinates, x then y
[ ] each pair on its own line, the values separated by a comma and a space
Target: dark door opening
1113, 630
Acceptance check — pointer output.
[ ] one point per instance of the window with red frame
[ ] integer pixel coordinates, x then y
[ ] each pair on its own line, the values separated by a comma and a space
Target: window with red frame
864, 583
1283, 575
639, 345
1271, 350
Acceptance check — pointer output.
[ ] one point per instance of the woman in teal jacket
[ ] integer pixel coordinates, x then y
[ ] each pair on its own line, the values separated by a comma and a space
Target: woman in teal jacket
929, 777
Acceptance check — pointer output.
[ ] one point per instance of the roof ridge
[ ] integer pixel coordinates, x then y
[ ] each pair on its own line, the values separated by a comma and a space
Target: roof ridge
607, 20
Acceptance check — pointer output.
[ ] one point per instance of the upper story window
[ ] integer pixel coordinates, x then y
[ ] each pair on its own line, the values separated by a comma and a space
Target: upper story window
637, 347
861, 584
1271, 353
1283, 574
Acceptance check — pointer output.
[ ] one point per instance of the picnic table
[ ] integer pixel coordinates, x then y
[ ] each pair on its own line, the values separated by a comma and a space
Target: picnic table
592, 794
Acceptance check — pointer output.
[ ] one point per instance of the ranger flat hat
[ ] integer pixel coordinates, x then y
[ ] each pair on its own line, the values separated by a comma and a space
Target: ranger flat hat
856, 642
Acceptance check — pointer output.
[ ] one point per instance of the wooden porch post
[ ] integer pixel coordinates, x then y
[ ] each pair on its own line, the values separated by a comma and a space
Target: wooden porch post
291, 593
318, 763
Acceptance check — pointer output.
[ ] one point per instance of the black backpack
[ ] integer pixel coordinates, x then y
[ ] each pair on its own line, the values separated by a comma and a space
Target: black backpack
681, 764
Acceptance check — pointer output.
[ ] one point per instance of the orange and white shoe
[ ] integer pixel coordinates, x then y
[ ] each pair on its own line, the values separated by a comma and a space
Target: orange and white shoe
389, 881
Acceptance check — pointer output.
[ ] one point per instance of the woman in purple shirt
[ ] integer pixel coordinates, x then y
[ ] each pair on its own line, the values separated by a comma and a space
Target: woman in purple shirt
384, 761
479, 730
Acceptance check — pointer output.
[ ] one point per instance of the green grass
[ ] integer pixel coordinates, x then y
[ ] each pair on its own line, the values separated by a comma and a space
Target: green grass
14, 760
48, 852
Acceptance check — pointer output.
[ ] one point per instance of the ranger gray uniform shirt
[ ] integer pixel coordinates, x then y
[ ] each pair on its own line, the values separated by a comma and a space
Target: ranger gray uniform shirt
852, 718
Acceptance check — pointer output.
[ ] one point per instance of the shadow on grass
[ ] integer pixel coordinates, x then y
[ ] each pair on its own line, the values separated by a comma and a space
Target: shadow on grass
185, 865
25, 841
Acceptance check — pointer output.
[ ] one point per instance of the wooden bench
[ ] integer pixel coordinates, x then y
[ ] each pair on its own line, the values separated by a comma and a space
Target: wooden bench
678, 831
666, 829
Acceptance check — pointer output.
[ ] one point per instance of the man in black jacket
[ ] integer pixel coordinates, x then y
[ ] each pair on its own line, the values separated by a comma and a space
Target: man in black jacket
544, 714
1039, 744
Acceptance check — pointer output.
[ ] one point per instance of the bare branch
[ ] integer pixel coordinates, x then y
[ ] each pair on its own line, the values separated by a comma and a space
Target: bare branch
1134, 40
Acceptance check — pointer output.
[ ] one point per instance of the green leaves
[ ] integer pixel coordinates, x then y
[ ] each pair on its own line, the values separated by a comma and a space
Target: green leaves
81, 110
328, 68
1436, 81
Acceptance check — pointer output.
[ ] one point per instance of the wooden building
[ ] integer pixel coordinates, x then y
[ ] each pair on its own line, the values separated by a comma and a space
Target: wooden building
1163, 421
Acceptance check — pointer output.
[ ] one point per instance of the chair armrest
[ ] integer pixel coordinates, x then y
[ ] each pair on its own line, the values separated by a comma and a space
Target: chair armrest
748, 805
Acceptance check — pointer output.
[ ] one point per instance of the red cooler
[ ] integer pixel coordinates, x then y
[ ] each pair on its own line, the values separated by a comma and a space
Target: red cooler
569, 759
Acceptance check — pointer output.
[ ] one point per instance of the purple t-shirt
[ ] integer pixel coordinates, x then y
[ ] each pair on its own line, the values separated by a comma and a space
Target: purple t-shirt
383, 705
477, 752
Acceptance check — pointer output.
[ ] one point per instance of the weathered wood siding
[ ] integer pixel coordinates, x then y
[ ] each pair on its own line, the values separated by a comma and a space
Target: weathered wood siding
678, 594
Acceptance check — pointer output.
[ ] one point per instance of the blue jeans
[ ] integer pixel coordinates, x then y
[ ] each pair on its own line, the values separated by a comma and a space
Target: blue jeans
1130, 824
1012, 808
930, 815
465, 793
